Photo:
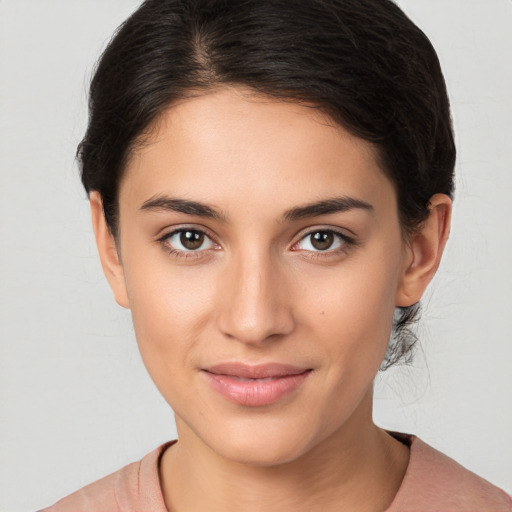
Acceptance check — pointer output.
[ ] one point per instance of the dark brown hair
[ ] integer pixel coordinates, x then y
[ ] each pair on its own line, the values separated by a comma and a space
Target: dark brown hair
362, 62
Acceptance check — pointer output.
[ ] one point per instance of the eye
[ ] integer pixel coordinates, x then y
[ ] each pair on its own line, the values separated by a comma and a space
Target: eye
323, 240
188, 240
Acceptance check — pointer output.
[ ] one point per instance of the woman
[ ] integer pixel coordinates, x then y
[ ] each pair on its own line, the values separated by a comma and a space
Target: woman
270, 186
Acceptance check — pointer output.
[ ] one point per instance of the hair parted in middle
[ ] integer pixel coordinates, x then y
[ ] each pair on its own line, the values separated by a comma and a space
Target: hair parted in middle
364, 63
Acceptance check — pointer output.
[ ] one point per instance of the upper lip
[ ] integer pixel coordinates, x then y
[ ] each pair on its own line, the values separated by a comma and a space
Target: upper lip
259, 371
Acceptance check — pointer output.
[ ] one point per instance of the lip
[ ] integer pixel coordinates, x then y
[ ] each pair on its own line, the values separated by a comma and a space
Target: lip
255, 385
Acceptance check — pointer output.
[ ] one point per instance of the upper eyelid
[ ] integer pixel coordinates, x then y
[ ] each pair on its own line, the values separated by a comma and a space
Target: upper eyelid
298, 237
192, 253
345, 239
167, 233
337, 231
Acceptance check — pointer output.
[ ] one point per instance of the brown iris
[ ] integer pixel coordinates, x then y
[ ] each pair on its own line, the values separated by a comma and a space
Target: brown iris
192, 240
322, 240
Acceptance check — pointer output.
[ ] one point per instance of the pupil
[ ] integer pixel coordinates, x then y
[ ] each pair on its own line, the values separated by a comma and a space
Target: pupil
191, 239
322, 240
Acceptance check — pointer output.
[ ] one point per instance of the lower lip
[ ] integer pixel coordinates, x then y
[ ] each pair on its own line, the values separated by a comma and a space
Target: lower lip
257, 392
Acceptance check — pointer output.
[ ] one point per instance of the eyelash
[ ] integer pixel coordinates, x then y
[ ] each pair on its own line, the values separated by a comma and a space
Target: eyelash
346, 243
184, 254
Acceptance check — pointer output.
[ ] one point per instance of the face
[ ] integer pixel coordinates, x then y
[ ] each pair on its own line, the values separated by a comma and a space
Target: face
261, 257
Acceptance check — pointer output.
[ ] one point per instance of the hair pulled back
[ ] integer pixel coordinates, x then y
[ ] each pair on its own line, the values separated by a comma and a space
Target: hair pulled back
362, 62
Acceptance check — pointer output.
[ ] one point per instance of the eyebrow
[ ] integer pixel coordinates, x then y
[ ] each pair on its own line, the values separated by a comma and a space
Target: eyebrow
326, 207
164, 203
189, 207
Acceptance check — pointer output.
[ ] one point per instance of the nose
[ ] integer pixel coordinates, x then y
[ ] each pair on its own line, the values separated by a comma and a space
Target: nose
255, 303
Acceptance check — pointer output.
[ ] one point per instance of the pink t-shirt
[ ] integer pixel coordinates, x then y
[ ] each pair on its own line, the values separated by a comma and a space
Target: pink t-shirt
433, 483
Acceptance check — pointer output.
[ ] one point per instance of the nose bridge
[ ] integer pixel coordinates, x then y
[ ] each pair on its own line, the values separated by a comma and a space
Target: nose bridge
254, 306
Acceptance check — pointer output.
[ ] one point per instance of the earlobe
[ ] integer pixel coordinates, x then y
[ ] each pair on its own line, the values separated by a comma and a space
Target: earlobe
108, 251
424, 251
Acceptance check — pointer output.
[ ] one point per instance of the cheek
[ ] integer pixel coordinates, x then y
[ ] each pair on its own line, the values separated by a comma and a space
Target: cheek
170, 307
351, 310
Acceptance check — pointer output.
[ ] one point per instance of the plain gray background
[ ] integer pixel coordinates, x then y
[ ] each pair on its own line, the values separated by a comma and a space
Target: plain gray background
75, 400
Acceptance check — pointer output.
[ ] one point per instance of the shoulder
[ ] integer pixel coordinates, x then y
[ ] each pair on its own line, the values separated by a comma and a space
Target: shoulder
435, 482
135, 487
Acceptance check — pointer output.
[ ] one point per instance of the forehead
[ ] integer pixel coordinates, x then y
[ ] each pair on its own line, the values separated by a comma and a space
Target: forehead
232, 145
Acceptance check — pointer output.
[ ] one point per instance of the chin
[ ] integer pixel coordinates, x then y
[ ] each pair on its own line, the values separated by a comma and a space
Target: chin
262, 453
261, 443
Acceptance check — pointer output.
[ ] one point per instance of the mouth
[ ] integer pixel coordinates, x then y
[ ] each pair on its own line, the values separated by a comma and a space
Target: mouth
255, 386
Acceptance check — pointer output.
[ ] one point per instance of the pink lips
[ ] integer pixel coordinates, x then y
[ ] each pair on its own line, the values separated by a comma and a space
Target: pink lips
255, 386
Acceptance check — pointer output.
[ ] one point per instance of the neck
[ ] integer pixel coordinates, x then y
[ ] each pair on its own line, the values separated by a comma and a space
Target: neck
335, 475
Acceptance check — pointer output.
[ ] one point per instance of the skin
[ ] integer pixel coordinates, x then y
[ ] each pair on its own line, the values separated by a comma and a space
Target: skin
258, 291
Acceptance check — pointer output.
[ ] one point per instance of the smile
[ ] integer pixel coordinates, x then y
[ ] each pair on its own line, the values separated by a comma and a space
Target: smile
255, 386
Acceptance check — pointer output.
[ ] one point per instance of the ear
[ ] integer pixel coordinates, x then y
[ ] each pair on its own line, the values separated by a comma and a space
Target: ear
108, 251
424, 251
